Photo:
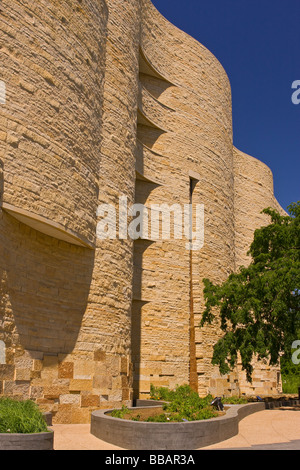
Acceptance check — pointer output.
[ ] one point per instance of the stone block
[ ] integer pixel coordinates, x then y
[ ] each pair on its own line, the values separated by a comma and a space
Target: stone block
89, 400
83, 369
54, 391
102, 382
78, 385
124, 365
125, 394
37, 365
80, 415
22, 374
63, 414
66, 370
70, 399
6, 371
99, 355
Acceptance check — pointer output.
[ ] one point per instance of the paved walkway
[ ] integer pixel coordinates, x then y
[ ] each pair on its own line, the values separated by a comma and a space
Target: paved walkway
265, 430
78, 437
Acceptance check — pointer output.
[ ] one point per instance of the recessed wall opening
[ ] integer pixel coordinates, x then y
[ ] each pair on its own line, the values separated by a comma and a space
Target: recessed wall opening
193, 376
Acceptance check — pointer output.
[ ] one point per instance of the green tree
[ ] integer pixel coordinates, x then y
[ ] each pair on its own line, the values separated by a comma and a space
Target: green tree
259, 306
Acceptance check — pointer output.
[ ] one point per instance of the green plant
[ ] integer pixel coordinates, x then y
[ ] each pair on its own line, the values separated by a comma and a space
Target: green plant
290, 372
120, 413
235, 400
136, 418
160, 393
165, 394
20, 417
258, 307
162, 418
184, 404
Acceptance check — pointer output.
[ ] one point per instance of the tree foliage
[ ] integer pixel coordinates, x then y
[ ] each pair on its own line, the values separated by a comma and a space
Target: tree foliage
259, 306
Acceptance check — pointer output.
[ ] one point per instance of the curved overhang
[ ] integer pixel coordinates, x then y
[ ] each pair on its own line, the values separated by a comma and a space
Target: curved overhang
147, 68
46, 226
188, 36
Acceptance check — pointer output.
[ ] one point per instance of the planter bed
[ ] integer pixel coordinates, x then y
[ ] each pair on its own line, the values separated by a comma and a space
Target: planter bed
272, 404
24, 426
138, 435
35, 441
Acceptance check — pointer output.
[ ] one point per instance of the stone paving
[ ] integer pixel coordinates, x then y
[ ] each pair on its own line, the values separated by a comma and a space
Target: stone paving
265, 430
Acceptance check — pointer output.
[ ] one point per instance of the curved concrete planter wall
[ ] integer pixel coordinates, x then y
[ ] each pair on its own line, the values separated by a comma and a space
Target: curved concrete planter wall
135, 435
36, 441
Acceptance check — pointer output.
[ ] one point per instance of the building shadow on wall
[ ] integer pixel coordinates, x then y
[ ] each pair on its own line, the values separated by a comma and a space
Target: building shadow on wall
3, 334
45, 283
1, 182
143, 189
138, 302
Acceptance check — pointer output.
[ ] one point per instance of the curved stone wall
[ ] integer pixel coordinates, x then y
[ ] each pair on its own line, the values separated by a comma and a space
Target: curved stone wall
66, 309
254, 191
107, 328
139, 435
52, 58
191, 107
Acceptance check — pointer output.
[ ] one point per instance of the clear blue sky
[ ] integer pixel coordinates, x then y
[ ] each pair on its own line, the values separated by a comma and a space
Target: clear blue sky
258, 44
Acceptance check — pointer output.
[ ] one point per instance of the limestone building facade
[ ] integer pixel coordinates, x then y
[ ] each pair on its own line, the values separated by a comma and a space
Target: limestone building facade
106, 99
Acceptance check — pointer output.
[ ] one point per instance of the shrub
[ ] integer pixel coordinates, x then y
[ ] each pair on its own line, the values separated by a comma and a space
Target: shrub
120, 413
235, 400
290, 373
162, 418
20, 417
165, 394
184, 404
161, 393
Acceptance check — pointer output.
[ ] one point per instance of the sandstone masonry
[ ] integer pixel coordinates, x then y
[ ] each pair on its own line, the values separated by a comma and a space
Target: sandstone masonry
107, 99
